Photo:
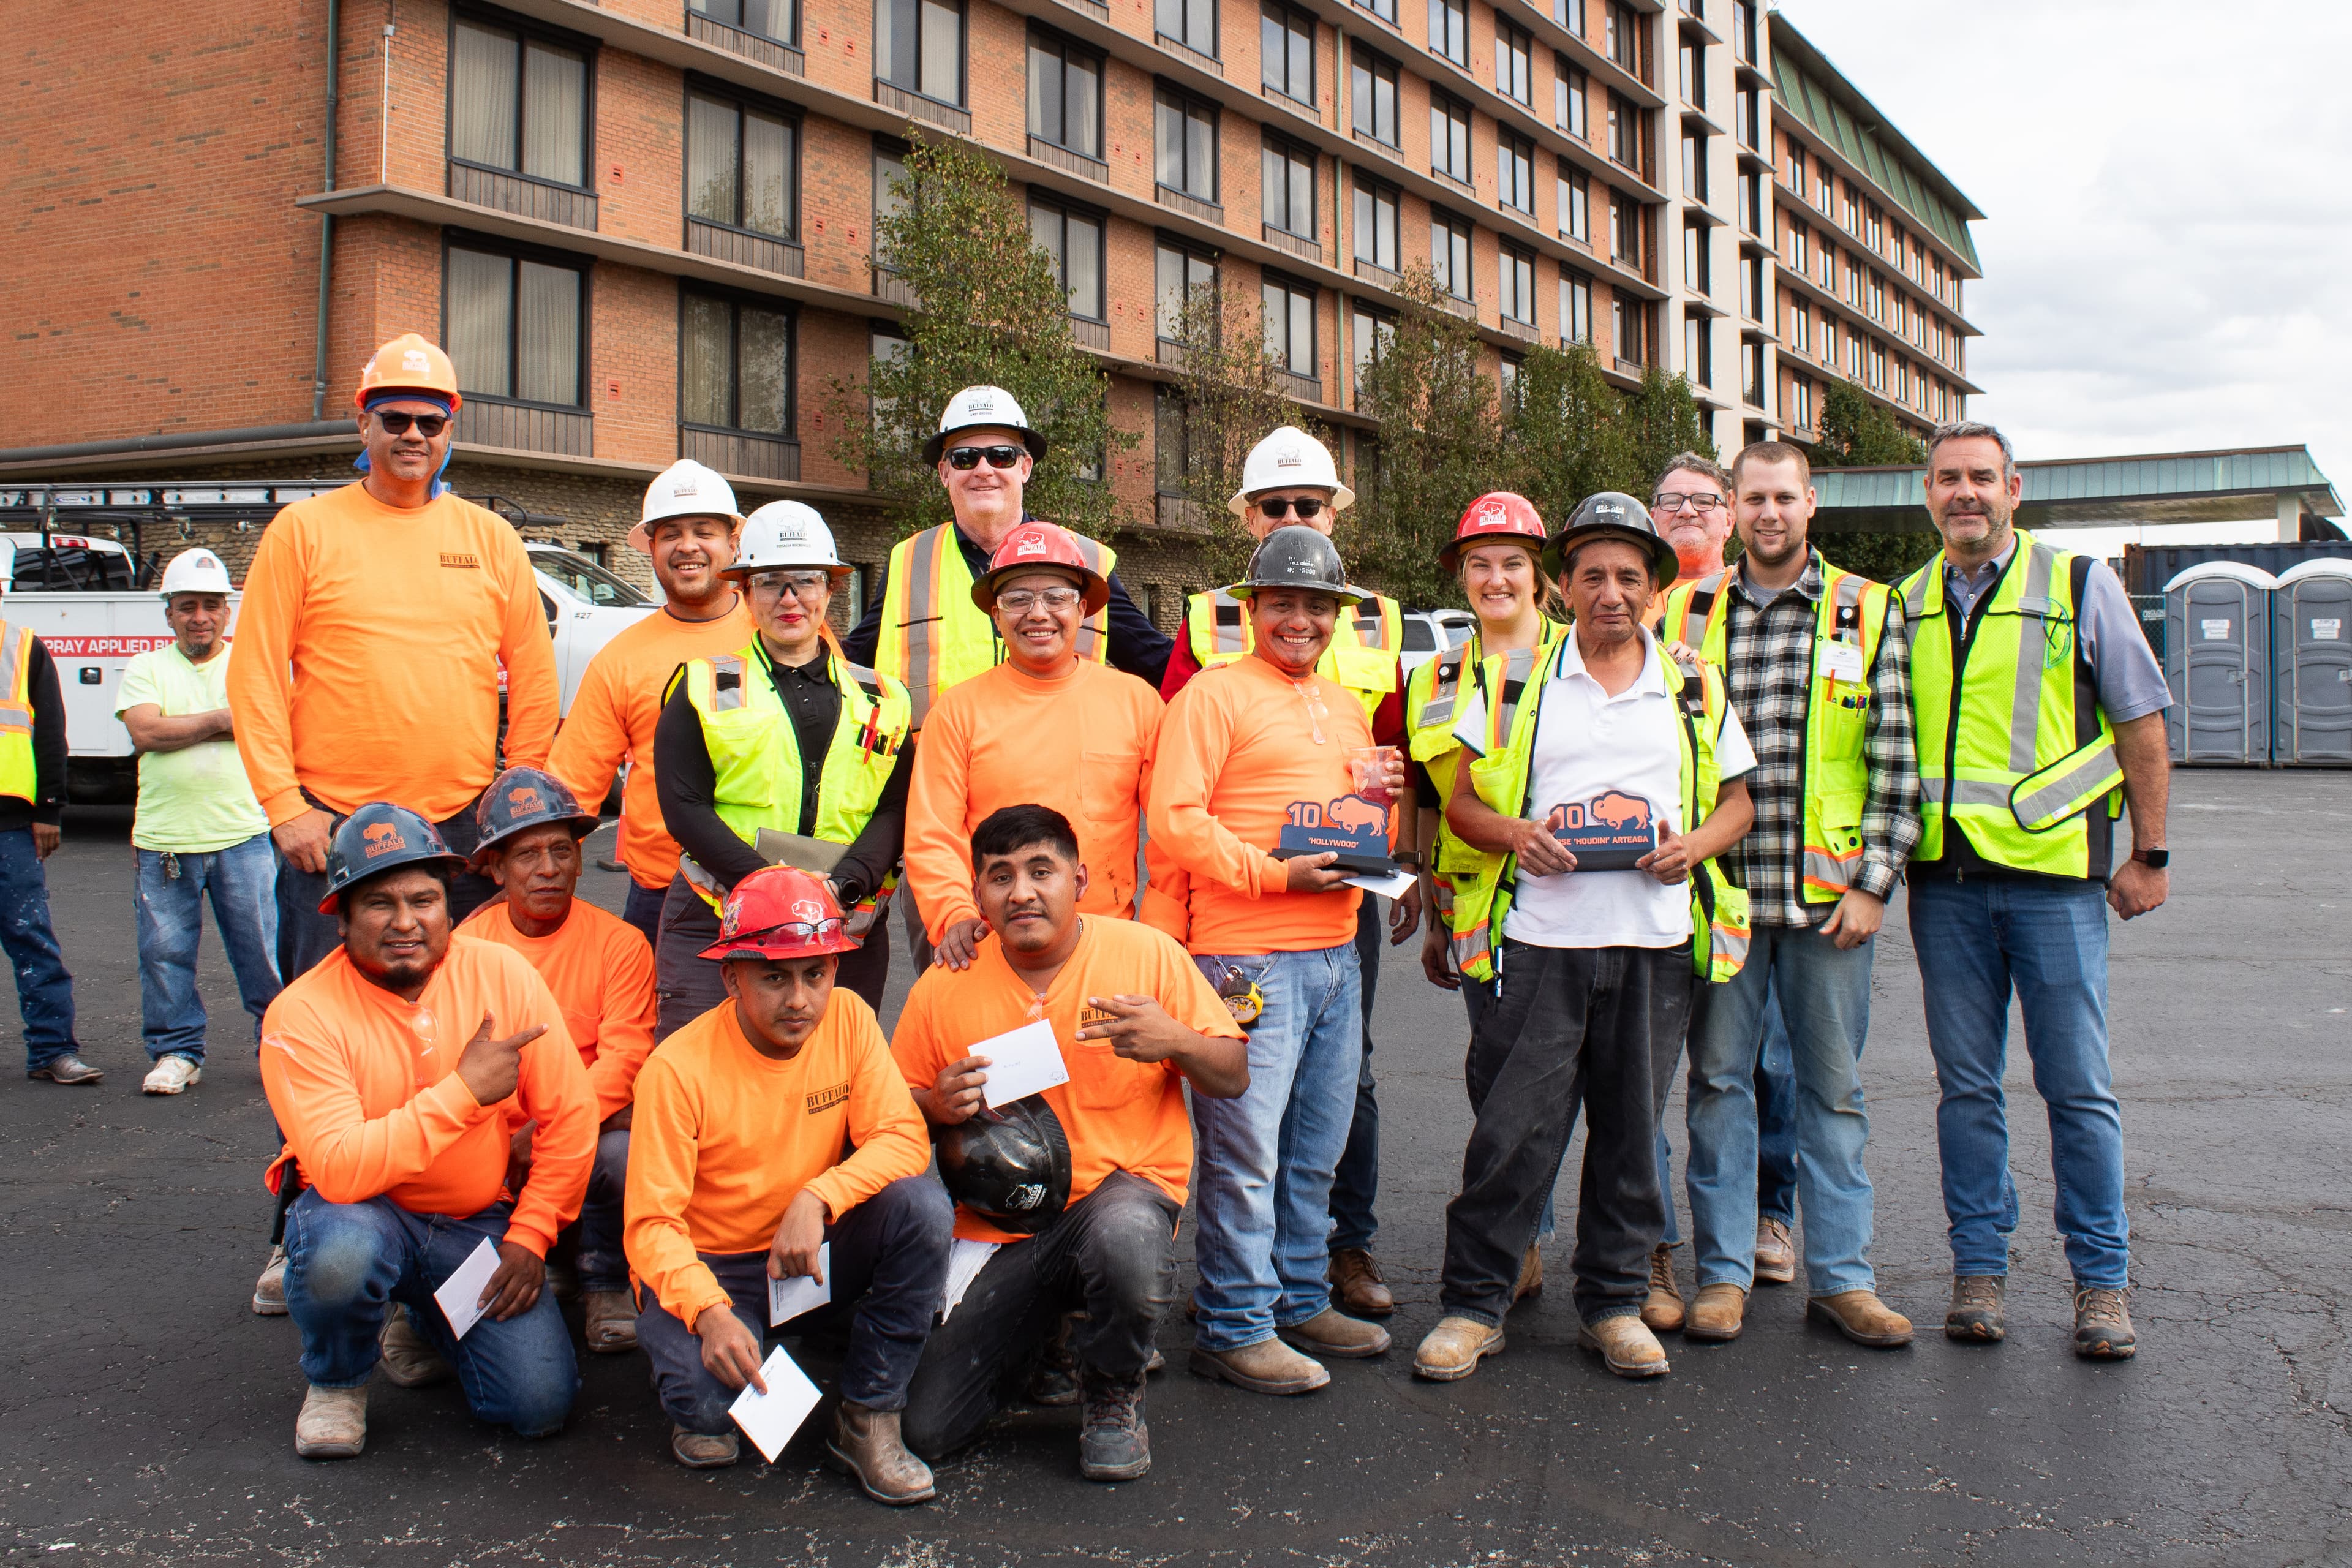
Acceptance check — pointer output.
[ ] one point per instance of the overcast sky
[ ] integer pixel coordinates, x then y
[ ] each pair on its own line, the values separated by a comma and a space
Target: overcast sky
2168, 200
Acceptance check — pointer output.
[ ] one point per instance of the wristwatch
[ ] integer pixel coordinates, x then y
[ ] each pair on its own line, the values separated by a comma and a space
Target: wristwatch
2154, 859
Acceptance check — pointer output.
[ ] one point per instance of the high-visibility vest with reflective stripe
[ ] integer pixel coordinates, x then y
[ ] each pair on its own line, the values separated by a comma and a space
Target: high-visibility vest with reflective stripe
1362, 656
1503, 775
18, 775
2013, 746
933, 636
1833, 773
755, 751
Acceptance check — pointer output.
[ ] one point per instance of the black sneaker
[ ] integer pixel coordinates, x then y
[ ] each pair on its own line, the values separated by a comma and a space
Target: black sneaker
1114, 1444
1053, 1383
2102, 1325
1976, 1316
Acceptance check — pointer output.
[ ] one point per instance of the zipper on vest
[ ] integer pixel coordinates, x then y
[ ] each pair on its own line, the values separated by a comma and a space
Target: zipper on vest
1962, 642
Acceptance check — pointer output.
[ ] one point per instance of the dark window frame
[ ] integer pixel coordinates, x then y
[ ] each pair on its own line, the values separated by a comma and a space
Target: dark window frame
1193, 250
1066, 209
525, 29
1441, 34
1290, 18
1521, 150
962, 99
1282, 147
1509, 255
1519, 45
1186, 103
1216, 28
1268, 278
790, 113
1041, 37
1451, 107
737, 300
1454, 225
1571, 86
799, 9
1377, 68
518, 252
1376, 189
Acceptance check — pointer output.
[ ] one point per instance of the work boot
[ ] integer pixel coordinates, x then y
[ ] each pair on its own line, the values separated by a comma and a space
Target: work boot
609, 1323
1114, 1444
1452, 1349
1530, 1281
1662, 1312
172, 1075
333, 1423
1862, 1317
2102, 1325
1332, 1332
1776, 1255
1717, 1313
1054, 1383
1627, 1346
66, 1069
409, 1358
561, 1281
866, 1445
1268, 1366
1975, 1315
270, 1290
703, 1450
1357, 1285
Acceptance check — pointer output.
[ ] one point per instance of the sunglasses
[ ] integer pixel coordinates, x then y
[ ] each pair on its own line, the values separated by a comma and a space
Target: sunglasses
428, 425
1281, 506
962, 459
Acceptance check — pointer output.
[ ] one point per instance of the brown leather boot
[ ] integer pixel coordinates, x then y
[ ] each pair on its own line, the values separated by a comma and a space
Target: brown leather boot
1452, 1349
1862, 1317
1530, 1276
609, 1323
1333, 1334
1627, 1346
1719, 1313
1776, 1253
1357, 1288
1662, 1312
866, 1445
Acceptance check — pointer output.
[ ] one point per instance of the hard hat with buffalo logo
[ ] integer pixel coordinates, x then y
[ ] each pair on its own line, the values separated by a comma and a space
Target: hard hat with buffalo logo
1011, 1166
1034, 544
978, 407
783, 534
685, 488
1496, 517
409, 364
780, 911
380, 836
523, 798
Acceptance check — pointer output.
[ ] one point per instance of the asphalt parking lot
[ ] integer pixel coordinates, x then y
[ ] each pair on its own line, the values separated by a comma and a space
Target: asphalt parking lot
146, 1416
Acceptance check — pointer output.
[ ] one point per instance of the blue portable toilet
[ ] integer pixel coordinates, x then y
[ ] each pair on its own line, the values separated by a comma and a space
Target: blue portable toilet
2311, 638
2217, 659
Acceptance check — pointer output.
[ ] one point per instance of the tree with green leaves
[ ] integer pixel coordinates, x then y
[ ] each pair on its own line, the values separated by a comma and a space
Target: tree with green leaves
1229, 392
1565, 436
1663, 421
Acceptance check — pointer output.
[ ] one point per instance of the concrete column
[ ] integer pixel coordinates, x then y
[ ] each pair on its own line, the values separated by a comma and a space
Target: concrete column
2290, 518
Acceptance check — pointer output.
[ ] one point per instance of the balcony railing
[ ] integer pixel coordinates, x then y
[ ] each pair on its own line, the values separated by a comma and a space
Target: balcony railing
1190, 55
743, 452
1090, 334
915, 105
772, 52
1207, 212
1305, 388
527, 198
896, 290
1524, 331
1077, 163
1178, 513
781, 257
1374, 273
526, 427
1282, 239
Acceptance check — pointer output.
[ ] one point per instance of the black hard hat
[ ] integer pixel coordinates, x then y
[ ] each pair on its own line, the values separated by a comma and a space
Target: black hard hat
380, 836
1298, 557
1611, 514
1010, 1166
521, 798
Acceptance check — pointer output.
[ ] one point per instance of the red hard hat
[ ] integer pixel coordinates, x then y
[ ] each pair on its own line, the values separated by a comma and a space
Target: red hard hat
780, 911
1033, 544
1497, 515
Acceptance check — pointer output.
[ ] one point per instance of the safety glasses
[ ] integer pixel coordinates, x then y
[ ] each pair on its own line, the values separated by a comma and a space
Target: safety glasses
964, 458
802, 582
1282, 506
396, 424
1021, 601
801, 931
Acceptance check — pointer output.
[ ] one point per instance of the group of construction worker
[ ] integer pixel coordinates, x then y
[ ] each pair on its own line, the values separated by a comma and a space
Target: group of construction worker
690, 1116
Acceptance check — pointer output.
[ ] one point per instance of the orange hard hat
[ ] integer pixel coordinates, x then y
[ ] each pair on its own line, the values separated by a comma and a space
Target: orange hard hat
1033, 544
1498, 516
409, 364
780, 911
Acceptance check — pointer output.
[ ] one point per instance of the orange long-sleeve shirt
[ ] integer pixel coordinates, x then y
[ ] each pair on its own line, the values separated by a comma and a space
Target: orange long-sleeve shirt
394, 623
1237, 748
613, 715
365, 1087
601, 975
1082, 744
724, 1137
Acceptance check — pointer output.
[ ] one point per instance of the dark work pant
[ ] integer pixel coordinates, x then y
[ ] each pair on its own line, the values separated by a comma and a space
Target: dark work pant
889, 1264
642, 909
1113, 1253
687, 986
1600, 1027
306, 936
1776, 1118
1356, 1185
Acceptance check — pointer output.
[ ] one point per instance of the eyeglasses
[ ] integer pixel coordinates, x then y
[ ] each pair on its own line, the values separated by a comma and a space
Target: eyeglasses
797, 930
798, 582
1021, 601
1700, 504
396, 424
1281, 506
963, 459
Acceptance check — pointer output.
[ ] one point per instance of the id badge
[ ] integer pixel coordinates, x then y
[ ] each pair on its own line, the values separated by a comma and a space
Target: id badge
1837, 660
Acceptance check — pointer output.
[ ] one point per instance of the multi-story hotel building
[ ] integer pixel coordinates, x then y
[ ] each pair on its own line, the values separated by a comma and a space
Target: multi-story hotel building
642, 227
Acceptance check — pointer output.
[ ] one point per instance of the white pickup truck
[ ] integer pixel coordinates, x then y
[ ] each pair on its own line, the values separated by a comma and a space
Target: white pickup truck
75, 590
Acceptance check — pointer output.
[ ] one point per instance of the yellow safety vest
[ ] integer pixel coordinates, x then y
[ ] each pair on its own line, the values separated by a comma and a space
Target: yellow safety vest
755, 751
18, 775
1362, 656
2013, 746
1833, 773
1502, 777
934, 637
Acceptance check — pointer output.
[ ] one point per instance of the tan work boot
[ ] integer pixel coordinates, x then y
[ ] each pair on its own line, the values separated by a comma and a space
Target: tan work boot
333, 1423
1662, 1312
1453, 1349
1718, 1314
1862, 1317
1357, 1287
1530, 1276
270, 1290
2102, 1325
610, 1322
409, 1358
1332, 1332
703, 1450
1268, 1366
865, 1444
1627, 1346
1776, 1254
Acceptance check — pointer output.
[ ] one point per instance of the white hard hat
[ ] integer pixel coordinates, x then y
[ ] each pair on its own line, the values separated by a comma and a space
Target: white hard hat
685, 488
1287, 460
786, 533
196, 572
978, 406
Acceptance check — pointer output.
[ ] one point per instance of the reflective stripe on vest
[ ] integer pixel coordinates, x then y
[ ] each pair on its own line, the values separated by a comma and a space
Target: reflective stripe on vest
19, 773
1361, 656
934, 637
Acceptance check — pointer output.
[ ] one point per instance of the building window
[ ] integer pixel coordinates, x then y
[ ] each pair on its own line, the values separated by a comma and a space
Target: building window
742, 166
1877, 296
777, 19
1796, 170
1510, 365
1629, 134
1516, 272
1172, 440
1751, 288
1514, 67
1066, 95
1799, 252
1625, 39
1746, 121
1800, 401
1373, 81
1569, 14
1449, 137
1179, 273
1693, 64
1384, 9
1743, 29
1370, 332
1186, 132
1829, 339
1192, 23
1449, 253
1698, 351
735, 365
1376, 224
516, 326
1287, 187
890, 189
918, 47
1698, 263
1628, 227
1289, 324
1877, 371
1873, 227
517, 103
1449, 30
1569, 87
1694, 166
1751, 373
1515, 171
1074, 242
1801, 328
1633, 318
1575, 308
1575, 203
1286, 53
1751, 202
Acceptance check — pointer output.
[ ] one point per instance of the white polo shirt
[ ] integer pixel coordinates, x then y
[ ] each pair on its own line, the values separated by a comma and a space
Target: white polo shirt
1587, 743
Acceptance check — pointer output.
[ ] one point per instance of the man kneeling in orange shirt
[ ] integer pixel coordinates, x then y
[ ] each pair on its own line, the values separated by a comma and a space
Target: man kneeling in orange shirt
398, 1133
736, 1177
602, 972
1134, 1019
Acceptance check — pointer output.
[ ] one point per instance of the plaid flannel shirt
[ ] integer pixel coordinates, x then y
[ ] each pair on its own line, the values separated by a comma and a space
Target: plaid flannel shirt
1767, 649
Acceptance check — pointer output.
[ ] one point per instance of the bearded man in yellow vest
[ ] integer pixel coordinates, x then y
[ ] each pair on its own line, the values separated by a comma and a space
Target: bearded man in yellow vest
784, 752
2040, 711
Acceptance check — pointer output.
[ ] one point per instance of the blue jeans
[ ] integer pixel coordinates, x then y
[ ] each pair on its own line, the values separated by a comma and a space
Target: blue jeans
241, 881
1823, 991
642, 909
1356, 1184
44, 988
601, 1265
2045, 940
1264, 1222
1776, 1118
345, 1263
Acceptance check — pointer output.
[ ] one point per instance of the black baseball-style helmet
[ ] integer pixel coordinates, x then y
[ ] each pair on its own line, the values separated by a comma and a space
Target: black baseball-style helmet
1298, 557
1010, 1166
378, 837
1610, 515
523, 798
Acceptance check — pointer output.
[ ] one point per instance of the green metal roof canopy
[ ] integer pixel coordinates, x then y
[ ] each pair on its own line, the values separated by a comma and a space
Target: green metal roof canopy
2247, 485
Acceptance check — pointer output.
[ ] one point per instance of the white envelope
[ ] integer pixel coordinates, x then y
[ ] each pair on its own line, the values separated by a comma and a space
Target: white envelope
460, 1295
788, 1299
965, 1260
769, 1419
1395, 885
1020, 1062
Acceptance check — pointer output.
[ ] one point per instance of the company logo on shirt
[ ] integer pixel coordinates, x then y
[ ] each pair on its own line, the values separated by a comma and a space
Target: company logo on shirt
382, 839
826, 1099
1090, 1014
470, 562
